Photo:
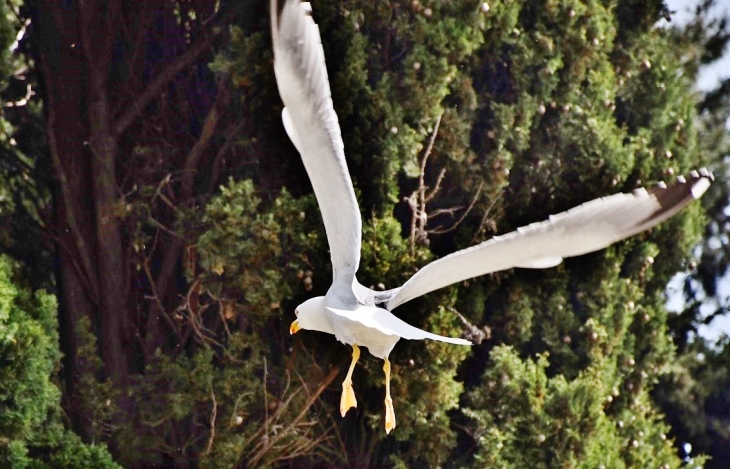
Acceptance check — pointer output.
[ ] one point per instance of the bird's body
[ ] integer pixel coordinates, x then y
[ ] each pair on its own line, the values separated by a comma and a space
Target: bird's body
361, 326
359, 316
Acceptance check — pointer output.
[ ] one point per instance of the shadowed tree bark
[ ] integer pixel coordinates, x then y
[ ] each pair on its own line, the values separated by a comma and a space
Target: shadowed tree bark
100, 75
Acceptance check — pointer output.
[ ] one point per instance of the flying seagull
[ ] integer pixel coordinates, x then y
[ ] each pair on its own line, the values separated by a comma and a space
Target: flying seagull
359, 316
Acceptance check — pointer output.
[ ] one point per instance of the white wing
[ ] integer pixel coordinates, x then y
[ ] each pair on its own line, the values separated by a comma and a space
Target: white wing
385, 322
583, 229
312, 125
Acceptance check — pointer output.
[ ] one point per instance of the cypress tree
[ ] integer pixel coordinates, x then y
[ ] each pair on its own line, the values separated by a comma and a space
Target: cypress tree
484, 117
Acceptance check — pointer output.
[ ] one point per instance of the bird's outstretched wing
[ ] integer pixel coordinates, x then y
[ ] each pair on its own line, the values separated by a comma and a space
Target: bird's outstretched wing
583, 229
311, 123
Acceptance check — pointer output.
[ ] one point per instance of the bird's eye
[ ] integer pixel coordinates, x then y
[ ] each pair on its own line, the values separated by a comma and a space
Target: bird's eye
296, 312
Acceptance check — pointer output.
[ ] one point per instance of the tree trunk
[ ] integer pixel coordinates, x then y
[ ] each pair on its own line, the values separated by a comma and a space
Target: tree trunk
98, 32
76, 62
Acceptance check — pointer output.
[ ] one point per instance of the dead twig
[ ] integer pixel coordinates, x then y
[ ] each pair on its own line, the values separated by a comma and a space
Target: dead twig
283, 436
473, 333
483, 222
215, 113
463, 215
157, 301
417, 201
213, 414
420, 198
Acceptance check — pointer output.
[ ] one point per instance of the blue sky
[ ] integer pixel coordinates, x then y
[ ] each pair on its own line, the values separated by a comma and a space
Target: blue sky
710, 77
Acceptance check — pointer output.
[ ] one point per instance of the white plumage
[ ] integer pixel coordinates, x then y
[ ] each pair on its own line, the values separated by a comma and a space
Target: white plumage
357, 315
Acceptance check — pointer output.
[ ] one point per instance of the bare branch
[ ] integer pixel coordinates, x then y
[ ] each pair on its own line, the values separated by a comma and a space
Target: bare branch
428, 197
223, 97
417, 200
443, 211
269, 438
430, 145
155, 87
213, 414
473, 333
483, 222
216, 166
266, 399
164, 228
156, 298
463, 215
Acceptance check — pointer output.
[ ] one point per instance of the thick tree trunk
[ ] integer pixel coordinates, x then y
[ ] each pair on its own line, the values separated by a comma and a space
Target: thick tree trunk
98, 32
99, 82
61, 66
76, 62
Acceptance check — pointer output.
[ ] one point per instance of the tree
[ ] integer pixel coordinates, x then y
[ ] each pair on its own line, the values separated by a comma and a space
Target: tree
31, 430
694, 394
184, 233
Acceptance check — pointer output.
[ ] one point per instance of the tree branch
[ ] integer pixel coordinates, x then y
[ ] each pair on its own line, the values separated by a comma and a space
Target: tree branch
155, 87
214, 412
463, 215
223, 97
417, 200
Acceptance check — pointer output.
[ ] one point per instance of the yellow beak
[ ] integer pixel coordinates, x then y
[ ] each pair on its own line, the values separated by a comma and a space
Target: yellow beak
294, 328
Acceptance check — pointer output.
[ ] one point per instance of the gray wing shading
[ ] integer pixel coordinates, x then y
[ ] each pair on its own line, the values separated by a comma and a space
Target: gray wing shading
369, 297
311, 123
586, 228
385, 322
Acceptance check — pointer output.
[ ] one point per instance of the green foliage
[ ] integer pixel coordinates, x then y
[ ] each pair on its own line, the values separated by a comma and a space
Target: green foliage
24, 191
527, 418
694, 392
93, 398
545, 103
541, 106
390, 74
422, 384
7, 36
56, 448
252, 406
31, 432
29, 351
245, 248
426, 393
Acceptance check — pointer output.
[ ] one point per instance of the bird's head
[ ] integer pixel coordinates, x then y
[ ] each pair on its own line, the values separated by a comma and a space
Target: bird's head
312, 316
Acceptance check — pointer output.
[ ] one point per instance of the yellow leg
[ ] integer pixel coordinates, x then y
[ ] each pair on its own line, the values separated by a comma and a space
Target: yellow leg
389, 412
348, 400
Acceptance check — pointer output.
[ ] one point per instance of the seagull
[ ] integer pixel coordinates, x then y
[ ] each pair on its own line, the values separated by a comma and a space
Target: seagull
359, 316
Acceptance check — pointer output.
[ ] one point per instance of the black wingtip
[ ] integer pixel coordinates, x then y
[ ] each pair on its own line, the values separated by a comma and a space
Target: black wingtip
704, 172
672, 197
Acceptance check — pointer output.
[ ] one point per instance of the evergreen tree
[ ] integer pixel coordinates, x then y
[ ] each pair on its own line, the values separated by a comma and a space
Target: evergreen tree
694, 395
32, 433
184, 232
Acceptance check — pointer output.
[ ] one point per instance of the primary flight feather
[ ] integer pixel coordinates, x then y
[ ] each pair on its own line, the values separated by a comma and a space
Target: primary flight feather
357, 315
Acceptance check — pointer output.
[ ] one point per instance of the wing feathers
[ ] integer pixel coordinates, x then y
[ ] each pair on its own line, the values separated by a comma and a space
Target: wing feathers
291, 131
311, 123
583, 229
385, 322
